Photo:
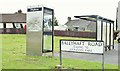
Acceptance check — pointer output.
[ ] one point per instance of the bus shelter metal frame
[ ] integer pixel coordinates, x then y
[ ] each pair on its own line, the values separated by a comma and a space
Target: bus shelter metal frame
95, 18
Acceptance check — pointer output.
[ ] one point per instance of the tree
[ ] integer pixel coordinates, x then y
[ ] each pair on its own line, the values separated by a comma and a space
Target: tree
55, 22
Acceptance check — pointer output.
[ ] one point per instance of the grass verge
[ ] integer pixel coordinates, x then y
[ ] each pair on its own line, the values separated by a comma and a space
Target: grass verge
14, 56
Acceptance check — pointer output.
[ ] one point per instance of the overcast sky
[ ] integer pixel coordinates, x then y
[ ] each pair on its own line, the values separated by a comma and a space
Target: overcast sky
65, 8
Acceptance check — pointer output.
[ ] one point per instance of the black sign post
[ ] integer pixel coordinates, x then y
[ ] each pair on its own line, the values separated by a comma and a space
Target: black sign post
103, 62
60, 55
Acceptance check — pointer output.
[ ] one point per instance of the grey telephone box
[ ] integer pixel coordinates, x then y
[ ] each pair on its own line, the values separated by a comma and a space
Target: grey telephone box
40, 28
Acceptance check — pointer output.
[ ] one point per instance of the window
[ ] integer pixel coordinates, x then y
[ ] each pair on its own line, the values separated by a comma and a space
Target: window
17, 25
1, 25
9, 25
76, 28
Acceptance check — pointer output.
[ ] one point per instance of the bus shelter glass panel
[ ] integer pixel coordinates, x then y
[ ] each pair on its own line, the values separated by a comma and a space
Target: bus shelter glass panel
98, 30
108, 34
48, 29
104, 33
112, 34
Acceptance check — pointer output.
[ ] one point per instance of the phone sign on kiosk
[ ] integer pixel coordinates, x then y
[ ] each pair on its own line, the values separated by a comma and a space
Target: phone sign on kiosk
39, 30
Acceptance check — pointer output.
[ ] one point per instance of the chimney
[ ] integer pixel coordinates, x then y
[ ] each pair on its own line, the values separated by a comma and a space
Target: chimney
69, 18
20, 11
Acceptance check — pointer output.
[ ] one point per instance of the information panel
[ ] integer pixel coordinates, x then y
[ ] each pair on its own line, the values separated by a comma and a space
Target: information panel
34, 19
82, 46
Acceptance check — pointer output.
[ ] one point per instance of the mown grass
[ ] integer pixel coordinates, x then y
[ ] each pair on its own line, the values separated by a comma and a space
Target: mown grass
14, 56
0, 52
58, 38
115, 41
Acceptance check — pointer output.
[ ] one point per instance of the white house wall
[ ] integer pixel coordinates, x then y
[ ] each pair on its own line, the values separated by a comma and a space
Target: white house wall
92, 27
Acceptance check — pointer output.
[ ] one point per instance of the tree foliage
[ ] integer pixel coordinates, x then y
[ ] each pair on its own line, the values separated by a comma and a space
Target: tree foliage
55, 22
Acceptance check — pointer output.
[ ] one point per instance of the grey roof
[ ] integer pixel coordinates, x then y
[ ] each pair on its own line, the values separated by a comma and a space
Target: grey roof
16, 18
78, 23
94, 17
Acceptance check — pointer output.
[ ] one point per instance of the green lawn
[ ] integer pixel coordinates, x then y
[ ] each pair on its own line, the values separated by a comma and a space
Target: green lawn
14, 56
57, 41
0, 52
115, 41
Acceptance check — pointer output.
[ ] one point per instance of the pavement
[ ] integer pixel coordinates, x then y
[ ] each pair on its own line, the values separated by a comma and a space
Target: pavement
110, 57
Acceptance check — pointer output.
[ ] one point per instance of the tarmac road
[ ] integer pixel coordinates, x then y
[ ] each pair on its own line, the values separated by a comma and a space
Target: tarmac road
110, 57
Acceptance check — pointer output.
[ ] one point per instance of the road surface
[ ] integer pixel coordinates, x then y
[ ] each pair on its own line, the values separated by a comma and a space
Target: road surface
110, 57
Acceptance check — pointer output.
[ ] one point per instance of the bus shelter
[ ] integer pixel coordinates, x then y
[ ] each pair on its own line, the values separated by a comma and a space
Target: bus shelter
39, 30
104, 29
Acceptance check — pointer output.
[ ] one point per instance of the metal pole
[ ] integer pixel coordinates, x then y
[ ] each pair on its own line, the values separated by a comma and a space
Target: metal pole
103, 62
60, 54
52, 32
113, 35
96, 28
43, 31
106, 38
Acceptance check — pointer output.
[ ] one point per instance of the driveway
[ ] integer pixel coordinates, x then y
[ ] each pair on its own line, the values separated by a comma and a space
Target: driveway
110, 57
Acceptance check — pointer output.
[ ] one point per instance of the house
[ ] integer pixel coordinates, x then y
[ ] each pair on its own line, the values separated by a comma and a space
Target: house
14, 20
60, 27
80, 25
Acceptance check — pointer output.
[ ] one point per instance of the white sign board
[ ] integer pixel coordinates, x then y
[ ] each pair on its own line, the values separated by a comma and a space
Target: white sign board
82, 46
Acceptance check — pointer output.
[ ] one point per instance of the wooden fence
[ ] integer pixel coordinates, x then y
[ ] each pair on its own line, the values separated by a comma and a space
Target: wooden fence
56, 32
75, 34
12, 31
